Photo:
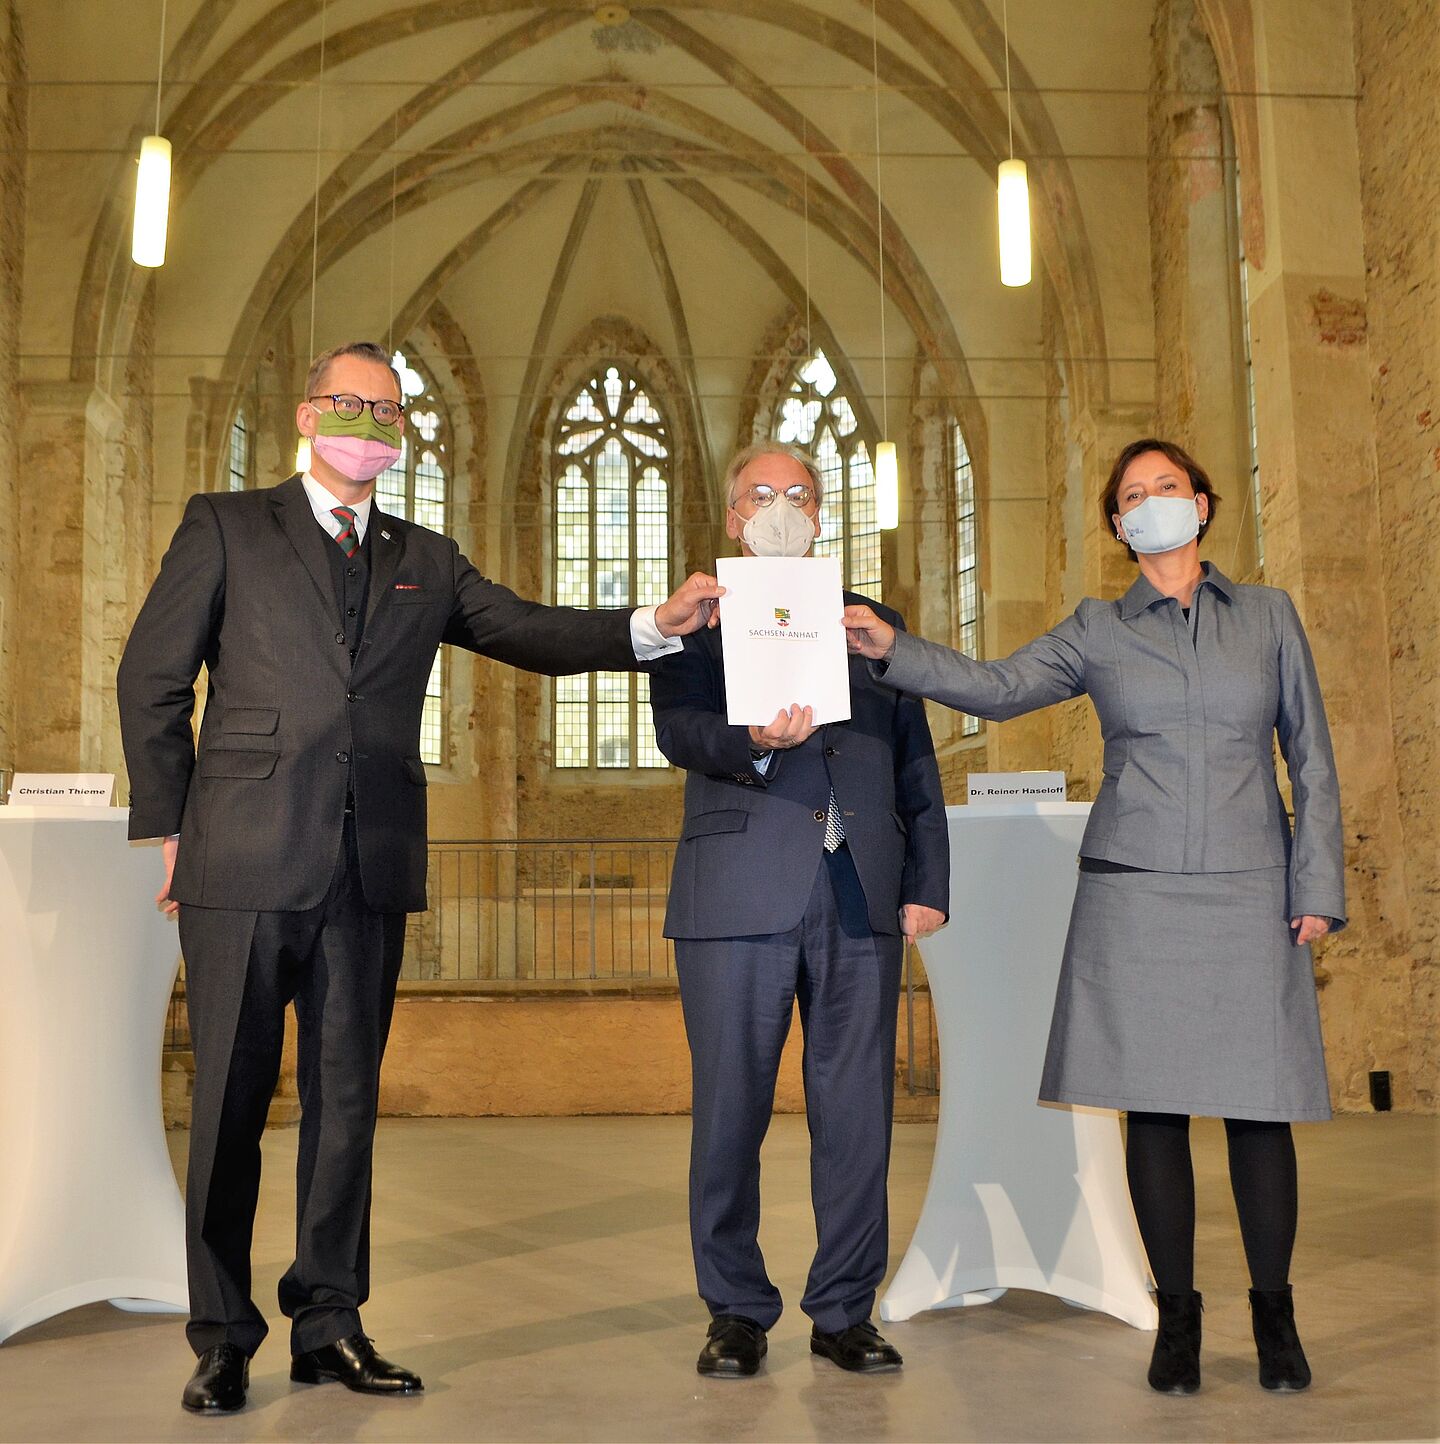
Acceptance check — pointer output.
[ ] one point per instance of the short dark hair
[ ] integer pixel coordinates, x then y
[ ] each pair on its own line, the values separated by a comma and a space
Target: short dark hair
366, 350
1110, 497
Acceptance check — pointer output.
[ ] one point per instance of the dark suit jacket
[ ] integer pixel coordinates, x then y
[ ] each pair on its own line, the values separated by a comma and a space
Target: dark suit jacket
751, 844
290, 724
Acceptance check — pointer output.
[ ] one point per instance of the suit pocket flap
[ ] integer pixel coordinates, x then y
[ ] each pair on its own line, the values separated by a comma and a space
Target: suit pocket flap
415, 771
708, 823
221, 762
253, 721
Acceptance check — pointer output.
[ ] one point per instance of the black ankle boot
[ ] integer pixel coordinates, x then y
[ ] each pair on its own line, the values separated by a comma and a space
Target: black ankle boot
1282, 1360
1175, 1364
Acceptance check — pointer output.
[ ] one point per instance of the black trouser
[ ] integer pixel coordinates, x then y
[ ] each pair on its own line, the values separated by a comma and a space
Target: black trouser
1162, 1187
339, 963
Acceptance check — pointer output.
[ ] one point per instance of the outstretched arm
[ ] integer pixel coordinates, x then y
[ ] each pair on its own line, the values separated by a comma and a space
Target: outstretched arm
1049, 669
490, 619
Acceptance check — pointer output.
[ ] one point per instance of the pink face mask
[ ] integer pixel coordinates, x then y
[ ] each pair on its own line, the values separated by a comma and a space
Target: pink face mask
358, 457
358, 447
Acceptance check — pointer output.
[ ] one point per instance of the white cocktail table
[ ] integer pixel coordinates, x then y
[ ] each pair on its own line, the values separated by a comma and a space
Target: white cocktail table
1021, 1195
89, 1207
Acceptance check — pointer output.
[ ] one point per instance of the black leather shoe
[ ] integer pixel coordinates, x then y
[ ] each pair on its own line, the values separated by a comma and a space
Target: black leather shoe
354, 1363
1175, 1360
1283, 1369
858, 1348
218, 1385
733, 1348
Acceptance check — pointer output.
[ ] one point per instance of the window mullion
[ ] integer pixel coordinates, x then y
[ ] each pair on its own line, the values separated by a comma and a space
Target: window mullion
592, 700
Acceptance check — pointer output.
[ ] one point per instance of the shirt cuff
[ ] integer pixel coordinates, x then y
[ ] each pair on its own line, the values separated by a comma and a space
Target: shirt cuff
646, 639
762, 764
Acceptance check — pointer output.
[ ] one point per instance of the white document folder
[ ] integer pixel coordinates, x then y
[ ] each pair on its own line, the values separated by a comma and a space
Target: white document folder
784, 645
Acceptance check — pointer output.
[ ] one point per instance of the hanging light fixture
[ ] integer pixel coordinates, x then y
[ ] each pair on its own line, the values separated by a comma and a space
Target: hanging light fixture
302, 447
887, 465
152, 182
1013, 196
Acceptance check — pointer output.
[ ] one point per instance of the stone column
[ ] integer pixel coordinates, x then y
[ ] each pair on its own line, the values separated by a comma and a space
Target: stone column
1323, 540
71, 460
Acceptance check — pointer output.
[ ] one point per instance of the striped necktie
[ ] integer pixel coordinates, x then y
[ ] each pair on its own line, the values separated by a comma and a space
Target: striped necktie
834, 828
349, 538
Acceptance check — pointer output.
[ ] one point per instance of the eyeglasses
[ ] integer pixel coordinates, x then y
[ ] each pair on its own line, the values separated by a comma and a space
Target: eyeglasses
762, 496
351, 408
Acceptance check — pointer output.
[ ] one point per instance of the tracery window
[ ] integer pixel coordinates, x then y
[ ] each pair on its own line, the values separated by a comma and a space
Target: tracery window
611, 456
417, 488
816, 415
967, 559
238, 463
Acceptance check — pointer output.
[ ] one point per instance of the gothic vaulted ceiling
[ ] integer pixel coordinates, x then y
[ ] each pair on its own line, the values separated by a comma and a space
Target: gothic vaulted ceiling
696, 168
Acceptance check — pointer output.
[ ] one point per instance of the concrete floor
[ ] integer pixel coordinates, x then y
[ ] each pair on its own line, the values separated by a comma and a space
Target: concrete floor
537, 1273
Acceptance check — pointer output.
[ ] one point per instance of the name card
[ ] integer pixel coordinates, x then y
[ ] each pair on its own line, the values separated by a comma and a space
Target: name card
1017, 787
62, 789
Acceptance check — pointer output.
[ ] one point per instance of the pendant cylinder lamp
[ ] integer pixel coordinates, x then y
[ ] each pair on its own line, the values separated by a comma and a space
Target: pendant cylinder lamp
1014, 207
887, 486
152, 202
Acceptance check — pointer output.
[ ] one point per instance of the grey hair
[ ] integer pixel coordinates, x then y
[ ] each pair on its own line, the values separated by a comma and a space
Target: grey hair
365, 350
757, 449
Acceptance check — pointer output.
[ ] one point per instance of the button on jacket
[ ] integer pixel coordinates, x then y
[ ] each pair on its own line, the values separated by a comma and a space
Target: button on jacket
1189, 724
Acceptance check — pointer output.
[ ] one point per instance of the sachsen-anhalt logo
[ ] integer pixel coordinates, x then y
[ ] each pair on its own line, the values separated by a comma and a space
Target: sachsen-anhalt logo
782, 616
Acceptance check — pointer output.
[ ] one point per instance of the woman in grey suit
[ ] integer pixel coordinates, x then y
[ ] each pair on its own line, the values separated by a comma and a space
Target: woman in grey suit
1186, 986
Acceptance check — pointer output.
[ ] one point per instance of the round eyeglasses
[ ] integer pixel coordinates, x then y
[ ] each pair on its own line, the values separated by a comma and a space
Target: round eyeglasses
762, 496
350, 408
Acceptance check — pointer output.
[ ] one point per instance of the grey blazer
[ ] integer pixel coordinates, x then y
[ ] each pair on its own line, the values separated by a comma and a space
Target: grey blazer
1188, 723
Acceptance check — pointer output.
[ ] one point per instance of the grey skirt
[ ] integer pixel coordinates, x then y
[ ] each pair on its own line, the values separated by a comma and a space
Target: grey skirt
1185, 993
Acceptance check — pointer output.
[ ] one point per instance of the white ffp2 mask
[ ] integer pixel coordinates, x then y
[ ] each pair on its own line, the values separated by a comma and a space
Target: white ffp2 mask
1161, 523
779, 530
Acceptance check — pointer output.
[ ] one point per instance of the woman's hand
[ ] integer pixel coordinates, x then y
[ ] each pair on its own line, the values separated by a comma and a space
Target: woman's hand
789, 729
866, 635
1309, 928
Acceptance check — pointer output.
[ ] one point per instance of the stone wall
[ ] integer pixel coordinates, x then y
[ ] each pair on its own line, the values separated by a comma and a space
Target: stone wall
13, 131
1398, 117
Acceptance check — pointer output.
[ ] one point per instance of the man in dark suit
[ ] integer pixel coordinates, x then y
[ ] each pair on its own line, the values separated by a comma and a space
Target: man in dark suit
295, 841
808, 856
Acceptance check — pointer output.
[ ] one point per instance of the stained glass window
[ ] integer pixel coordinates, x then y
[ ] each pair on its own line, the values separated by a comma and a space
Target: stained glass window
611, 462
818, 417
967, 559
239, 461
417, 488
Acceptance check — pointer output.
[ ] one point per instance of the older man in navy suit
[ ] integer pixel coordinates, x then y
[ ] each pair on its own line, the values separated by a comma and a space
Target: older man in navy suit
809, 855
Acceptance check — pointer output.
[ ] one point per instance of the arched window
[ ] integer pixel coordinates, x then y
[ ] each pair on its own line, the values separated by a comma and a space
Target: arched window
417, 488
239, 461
611, 468
967, 558
814, 414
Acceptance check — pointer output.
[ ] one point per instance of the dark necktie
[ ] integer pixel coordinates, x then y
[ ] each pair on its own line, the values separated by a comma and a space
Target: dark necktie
349, 538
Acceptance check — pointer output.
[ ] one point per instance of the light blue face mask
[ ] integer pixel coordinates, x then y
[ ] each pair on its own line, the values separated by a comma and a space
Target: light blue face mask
779, 530
1161, 523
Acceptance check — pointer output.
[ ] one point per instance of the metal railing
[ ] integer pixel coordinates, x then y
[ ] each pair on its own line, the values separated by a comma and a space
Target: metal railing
552, 911
571, 915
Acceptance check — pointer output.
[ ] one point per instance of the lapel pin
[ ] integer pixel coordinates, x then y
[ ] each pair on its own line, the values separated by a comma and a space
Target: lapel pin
386, 535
